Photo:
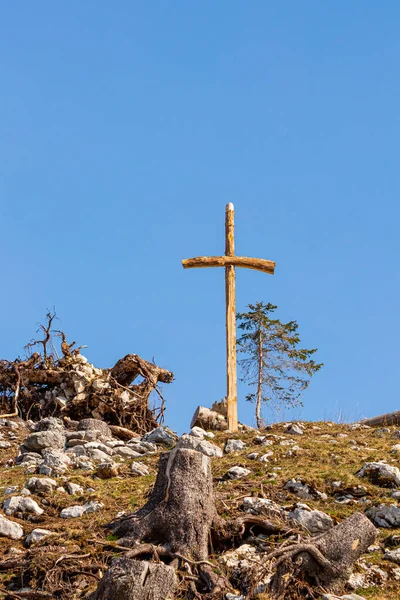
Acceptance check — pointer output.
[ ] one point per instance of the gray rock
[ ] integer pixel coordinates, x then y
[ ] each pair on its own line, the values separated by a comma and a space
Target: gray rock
83, 462
96, 425
396, 434
57, 462
381, 431
313, 521
303, 490
253, 455
41, 484
74, 488
36, 535
197, 432
237, 472
294, 430
393, 556
31, 458
266, 456
75, 435
262, 506
396, 495
98, 456
72, 512
99, 446
191, 443
78, 450
138, 468
4, 445
11, 489
93, 506
126, 452
384, 515
142, 447
114, 443
380, 473
10, 529
53, 438
21, 504
234, 445
49, 423
161, 435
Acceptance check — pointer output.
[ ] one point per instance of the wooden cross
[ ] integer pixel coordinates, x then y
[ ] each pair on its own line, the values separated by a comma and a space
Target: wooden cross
230, 261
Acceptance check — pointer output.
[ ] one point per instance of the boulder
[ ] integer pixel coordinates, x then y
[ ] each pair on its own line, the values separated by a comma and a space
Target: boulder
21, 504
38, 441
191, 443
138, 468
313, 521
380, 473
162, 436
384, 515
49, 423
262, 506
294, 430
304, 490
72, 512
36, 535
41, 484
96, 425
237, 472
234, 445
10, 529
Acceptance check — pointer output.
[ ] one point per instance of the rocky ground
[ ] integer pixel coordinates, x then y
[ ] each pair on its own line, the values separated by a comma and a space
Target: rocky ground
60, 487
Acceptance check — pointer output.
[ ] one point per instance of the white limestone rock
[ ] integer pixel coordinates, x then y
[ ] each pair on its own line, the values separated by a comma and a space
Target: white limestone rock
380, 473
36, 535
313, 521
192, 443
234, 445
138, 468
162, 436
10, 529
72, 512
387, 516
237, 472
41, 484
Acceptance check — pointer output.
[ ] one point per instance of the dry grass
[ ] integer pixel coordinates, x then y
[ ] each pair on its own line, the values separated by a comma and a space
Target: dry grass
320, 462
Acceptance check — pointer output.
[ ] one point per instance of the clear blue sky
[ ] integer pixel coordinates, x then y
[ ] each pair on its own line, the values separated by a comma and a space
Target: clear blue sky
125, 129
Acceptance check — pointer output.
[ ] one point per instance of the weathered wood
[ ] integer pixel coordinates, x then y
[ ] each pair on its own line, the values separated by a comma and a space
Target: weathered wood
326, 562
129, 579
208, 419
230, 296
230, 261
127, 369
392, 418
257, 264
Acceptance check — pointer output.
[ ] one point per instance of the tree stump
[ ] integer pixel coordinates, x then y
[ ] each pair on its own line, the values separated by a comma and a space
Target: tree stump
129, 579
181, 509
326, 561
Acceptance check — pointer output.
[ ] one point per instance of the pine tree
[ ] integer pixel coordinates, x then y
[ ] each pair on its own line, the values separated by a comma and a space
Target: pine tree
274, 364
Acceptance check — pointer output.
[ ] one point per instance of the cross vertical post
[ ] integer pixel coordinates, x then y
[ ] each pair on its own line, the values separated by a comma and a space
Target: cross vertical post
230, 293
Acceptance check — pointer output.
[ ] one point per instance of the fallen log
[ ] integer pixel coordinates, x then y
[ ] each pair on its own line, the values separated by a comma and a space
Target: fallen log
392, 418
326, 562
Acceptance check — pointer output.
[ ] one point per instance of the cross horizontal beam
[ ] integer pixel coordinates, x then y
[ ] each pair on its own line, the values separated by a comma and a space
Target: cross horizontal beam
258, 264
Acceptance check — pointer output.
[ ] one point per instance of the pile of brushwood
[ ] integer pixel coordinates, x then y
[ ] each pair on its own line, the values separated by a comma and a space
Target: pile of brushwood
64, 384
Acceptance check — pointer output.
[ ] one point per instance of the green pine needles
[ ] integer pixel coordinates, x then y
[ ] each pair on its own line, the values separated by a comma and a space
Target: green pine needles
273, 363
